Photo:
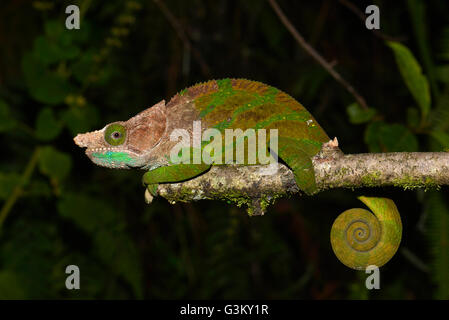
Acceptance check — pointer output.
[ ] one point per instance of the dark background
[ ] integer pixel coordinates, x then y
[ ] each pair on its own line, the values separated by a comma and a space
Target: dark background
59, 209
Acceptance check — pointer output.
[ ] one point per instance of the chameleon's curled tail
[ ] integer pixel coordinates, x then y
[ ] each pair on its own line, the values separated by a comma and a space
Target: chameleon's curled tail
360, 239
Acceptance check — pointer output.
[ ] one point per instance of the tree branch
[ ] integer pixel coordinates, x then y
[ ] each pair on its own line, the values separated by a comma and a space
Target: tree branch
18, 190
359, 13
315, 55
258, 186
182, 35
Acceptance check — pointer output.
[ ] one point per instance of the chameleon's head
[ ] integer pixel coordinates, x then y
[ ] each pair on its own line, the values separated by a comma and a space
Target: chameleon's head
125, 144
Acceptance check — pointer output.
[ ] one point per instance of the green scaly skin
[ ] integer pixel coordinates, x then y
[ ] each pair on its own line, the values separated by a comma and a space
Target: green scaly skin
239, 104
360, 239
243, 104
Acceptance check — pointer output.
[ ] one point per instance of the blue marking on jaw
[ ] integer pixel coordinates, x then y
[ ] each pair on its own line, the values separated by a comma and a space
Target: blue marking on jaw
114, 158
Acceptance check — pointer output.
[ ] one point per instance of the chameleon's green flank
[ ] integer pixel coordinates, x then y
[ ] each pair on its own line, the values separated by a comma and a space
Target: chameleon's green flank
148, 140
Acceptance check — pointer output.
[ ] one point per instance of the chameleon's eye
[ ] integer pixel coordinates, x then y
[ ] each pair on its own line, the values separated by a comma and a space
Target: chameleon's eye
115, 134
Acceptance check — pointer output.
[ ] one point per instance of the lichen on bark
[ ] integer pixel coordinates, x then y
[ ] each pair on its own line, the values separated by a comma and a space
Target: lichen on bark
257, 186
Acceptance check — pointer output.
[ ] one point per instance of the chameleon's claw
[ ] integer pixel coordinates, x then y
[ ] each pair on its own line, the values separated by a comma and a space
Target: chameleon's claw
152, 189
150, 192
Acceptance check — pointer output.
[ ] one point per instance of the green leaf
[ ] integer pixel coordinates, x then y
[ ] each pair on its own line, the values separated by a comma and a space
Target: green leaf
113, 244
30, 250
372, 136
56, 30
8, 181
6, 121
32, 68
46, 51
51, 89
413, 117
88, 213
382, 137
418, 17
54, 163
79, 119
11, 286
411, 73
47, 126
359, 115
44, 86
83, 67
117, 250
49, 51
397, 138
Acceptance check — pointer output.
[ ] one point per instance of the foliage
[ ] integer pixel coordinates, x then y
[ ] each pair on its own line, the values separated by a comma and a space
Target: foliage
411, 73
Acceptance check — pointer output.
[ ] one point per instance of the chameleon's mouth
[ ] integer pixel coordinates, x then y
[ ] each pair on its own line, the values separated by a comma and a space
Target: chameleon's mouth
84, 139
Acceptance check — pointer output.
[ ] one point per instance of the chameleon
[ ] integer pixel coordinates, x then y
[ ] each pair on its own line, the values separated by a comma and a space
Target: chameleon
145, 141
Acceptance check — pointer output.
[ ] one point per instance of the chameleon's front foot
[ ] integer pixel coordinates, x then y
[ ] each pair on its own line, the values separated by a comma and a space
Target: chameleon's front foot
148, 197
150, 192
150, 188
170, 174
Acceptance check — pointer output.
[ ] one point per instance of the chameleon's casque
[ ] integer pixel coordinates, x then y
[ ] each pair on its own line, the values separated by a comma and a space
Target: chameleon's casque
144, 140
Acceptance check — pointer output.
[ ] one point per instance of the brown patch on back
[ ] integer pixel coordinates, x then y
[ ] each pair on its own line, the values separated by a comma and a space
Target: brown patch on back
250, 118
225, 111
248, 85
196, 91
287, 100
202, 89
176, 99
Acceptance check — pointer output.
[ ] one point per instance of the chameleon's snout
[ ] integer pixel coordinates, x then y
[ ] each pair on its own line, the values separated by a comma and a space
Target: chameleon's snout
85, 140
80, 140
